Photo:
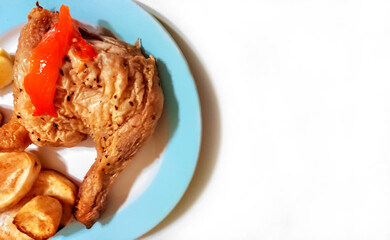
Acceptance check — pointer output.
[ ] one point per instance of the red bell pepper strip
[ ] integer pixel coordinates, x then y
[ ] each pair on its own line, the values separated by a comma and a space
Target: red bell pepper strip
82, 49
47, 58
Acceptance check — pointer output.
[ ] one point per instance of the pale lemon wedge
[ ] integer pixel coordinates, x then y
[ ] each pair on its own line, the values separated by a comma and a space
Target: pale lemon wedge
6, 70
4, 53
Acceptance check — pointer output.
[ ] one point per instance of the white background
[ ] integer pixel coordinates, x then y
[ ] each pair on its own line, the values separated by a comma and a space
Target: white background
296, 114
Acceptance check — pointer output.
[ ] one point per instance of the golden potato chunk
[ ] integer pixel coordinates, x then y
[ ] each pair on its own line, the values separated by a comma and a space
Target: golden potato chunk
8, 230
54, 184
40, 217
13, 136
18, 172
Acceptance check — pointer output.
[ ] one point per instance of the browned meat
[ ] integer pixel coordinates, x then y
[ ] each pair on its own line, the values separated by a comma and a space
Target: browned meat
13, 137
117, 99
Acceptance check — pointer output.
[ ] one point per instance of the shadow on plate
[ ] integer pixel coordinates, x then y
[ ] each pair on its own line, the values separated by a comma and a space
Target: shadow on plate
7, 114
6, 90
51, 159
6, 111
210, 124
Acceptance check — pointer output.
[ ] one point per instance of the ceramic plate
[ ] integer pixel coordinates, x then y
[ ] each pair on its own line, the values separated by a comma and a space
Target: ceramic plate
155, 180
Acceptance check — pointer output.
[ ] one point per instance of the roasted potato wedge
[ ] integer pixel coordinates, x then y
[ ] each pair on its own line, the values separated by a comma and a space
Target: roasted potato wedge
18, 172
40, 217
8, 230
54, 184
13, 136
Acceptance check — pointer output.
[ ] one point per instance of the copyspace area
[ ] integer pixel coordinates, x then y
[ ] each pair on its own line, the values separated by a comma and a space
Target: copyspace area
296, 110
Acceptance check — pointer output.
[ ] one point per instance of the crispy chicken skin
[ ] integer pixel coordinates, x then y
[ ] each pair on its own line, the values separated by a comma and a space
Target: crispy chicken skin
116, 99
